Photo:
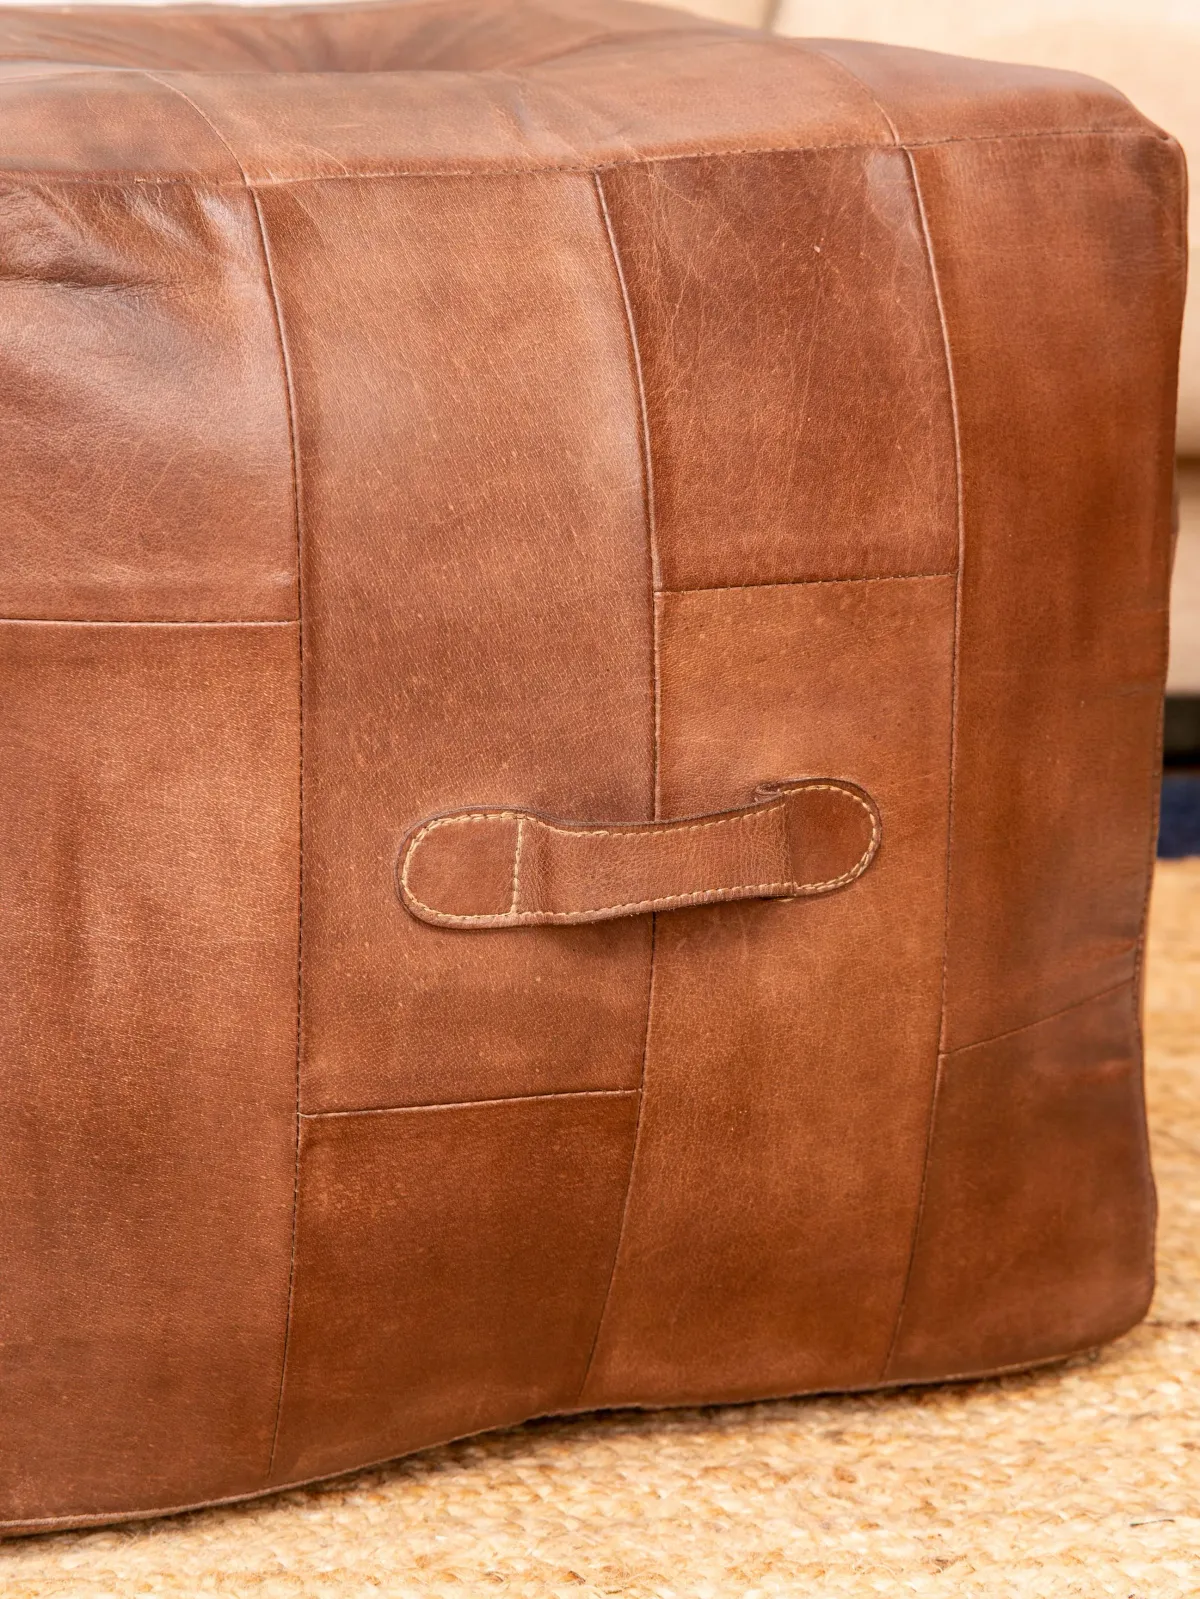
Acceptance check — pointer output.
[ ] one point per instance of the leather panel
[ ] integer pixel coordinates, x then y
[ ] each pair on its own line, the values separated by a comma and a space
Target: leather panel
1066, 499
451, 1266
799, 412
929, 98
148, 890
147, 465
64, 122
1037, 1235
477, 618
787, 1092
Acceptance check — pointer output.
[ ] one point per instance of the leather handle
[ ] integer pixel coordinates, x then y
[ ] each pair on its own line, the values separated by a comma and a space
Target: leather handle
508, 868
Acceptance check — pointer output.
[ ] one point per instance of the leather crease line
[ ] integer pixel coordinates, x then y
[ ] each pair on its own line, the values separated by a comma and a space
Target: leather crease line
811, 582
469, 1104
648, 498
863, 88
655, 576
939, 1057
294, 444
939, 1063
1041, 1021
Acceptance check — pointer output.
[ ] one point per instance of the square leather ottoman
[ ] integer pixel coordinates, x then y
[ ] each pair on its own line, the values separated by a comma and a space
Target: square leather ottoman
583, 628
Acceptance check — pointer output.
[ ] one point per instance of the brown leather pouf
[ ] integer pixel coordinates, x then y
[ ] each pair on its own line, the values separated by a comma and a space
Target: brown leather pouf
584, 619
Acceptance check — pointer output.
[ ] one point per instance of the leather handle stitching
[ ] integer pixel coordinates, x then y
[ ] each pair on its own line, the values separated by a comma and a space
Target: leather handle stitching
634, 830
513, 918
516, 876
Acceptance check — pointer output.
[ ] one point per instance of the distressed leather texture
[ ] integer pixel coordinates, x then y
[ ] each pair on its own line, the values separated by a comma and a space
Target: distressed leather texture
583, 413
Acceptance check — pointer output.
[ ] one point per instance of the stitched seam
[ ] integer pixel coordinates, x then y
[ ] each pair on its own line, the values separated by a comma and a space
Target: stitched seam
641, 830
712, 154
516, 871
297, 512
935, 1096
663, 902
293, 447
633, 831
149, 621
49, 176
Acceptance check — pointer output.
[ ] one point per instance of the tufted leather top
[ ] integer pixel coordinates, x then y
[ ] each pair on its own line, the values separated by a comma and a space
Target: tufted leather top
298, 91
379, 36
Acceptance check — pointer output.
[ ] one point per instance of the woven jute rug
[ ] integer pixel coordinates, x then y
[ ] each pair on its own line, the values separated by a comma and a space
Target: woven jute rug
1082, 1479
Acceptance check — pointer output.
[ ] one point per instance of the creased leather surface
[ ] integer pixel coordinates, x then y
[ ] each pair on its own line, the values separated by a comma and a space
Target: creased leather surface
846, 426
1039, 1192
619, 416
146, 466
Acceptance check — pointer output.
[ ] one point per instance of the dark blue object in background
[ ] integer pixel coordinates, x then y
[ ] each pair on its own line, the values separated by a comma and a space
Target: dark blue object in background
1179, 819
